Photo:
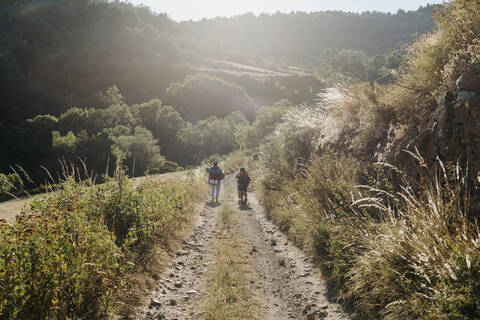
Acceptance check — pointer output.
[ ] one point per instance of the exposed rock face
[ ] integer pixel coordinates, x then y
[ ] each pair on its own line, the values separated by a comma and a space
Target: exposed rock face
453, 133
469, 81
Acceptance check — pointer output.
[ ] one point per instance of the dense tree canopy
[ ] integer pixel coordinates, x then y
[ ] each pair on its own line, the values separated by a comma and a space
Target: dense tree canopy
201, 96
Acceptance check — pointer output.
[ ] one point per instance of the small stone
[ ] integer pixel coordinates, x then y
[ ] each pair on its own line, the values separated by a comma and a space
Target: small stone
317, 315
173, 302
273, 242
312, 316
192, 292
171, 275
155, 303
160, 316
178, 284
297, 295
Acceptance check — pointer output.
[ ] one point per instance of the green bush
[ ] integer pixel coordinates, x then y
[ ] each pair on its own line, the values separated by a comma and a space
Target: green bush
15, 182
57, 264
68, 257
167, 166
266, 118
5, 185
10, 184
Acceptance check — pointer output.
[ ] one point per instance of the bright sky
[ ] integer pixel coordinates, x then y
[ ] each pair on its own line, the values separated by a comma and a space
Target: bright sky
197, 9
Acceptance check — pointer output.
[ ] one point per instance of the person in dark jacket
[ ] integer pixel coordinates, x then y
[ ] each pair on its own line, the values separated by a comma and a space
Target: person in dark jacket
215, 175
243, 180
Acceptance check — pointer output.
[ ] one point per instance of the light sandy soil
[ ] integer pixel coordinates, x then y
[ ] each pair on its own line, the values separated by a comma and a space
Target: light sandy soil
288, 286
11, 208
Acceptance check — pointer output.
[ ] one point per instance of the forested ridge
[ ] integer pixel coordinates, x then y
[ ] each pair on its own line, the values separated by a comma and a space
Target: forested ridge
301, 38
66, 64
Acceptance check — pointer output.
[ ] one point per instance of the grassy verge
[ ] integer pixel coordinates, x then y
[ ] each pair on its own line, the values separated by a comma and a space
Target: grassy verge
230, 294
72, 255
315, 210
393, 255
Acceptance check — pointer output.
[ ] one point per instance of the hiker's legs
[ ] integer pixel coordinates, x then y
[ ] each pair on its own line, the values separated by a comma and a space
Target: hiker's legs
244, 197
213, 192
217, 191
242, 193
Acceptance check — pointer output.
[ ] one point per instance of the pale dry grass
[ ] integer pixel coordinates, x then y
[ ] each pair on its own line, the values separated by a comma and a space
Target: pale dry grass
425, 253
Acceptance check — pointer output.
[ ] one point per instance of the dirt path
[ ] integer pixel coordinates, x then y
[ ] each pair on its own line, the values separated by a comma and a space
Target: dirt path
287, 286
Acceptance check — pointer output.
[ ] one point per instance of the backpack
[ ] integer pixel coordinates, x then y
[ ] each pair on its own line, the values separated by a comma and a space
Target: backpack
243, 179
216, 176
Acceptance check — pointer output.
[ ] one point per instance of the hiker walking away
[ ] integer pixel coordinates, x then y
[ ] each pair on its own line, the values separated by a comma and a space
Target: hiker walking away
215, 175
243, 180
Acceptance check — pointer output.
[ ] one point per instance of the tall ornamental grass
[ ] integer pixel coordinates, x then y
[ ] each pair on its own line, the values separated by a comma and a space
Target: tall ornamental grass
423, 261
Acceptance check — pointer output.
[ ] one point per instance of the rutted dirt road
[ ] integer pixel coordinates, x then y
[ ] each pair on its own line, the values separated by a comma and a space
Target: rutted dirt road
288, 286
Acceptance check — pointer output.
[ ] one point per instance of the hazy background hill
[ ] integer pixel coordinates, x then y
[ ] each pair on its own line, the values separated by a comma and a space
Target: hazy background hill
300, 38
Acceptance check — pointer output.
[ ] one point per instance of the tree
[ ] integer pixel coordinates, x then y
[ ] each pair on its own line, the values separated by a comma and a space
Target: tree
164, 122
265, 121
110, 96
140, 150
201, 96
64, 145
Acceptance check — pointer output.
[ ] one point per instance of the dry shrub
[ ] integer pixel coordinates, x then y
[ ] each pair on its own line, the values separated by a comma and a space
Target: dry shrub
411, 254
316, 211
423, 260
435, 61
